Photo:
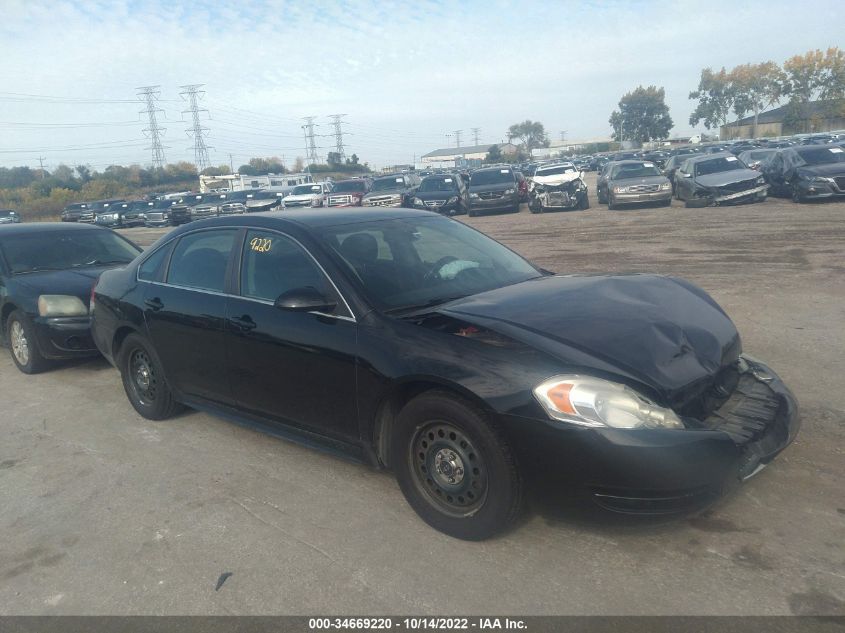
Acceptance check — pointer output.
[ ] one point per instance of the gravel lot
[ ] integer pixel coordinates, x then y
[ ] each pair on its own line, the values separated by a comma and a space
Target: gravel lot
106, 513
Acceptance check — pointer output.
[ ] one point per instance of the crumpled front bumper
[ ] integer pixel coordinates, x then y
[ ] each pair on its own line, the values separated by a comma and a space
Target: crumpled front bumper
661, 471
722, 197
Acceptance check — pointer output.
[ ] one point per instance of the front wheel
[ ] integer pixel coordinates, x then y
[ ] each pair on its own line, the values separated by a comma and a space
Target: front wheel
20, 335
454, 467
143, 380
796, 195
584, 202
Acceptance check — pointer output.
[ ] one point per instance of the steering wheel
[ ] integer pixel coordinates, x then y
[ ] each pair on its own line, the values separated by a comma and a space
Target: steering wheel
437, 266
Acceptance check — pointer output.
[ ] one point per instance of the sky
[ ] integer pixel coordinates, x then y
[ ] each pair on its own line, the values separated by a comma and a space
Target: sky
405, 74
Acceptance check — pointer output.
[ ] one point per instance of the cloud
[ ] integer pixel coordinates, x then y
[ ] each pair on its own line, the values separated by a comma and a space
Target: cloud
406, 73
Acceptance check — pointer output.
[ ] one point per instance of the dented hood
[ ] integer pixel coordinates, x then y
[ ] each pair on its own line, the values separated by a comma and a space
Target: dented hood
661, 331
557, 179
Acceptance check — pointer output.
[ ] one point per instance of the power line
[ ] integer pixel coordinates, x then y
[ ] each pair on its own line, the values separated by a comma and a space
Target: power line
338, 135
310, 146
149, 95
192, 94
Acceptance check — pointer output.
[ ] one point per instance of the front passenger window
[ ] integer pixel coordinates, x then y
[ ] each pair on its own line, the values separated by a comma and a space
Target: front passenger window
200, 260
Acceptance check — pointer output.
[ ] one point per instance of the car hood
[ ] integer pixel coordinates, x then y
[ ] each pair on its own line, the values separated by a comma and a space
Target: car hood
436, 195
301, 196
663, 332
76, 282
499, 186
642, 180
556, 179
723, 178
828, 171
385, 192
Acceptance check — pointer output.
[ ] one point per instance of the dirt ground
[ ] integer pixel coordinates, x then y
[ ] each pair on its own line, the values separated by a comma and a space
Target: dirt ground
106, 513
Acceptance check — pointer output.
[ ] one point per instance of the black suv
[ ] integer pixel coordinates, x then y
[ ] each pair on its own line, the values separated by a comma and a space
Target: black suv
444, 193
493, 189
72, 212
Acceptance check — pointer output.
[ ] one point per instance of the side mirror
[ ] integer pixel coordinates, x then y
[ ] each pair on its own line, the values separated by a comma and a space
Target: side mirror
305, 299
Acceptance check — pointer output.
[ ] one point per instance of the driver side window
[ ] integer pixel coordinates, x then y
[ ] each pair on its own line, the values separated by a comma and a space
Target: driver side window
273, 264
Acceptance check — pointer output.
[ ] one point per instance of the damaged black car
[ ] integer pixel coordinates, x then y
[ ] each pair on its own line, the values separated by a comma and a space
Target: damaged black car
807, 172
721, 178
413, 342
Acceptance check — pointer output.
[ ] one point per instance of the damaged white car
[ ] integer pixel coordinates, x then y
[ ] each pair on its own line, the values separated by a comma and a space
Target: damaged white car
557, 187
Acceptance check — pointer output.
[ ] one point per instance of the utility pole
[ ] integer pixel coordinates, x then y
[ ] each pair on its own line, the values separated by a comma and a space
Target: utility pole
192, 94
338, 135
41, 162
310, 146
149, 95
231, 165
475, 132
457, 134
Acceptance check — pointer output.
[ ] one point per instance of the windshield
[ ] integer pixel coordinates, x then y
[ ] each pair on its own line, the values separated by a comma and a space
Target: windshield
759, 155
447, 184
717, 165
416, 262
163, 204
385, 184
642, 170
350, 186
303, 190
491, 177
6, 213
62, 250
822, 156
556, 171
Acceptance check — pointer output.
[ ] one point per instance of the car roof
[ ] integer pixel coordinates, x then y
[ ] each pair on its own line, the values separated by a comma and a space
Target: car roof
47, 227
705, 157
631, 161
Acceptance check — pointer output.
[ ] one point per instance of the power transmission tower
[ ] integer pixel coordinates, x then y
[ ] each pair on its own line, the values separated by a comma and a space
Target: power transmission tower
338, 135
310, 146
149, 95
457, 134
475, 132
41, 162
563, 135
192, 94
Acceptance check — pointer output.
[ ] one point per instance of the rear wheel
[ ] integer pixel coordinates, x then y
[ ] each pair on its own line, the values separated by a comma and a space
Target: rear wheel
143, 380
455, 469
20, 335
584, 202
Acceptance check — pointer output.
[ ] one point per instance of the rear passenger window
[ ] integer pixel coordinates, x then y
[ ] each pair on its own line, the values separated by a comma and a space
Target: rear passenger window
274, 264
150, 269
200, 259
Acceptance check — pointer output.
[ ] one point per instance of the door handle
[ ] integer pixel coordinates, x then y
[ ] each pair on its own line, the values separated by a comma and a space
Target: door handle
244, 323
154, 304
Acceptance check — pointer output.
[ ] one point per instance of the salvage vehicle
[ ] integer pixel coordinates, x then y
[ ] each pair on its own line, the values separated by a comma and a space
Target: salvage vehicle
90, 213
807, 172
310, 195
556, 188
349, 193
72, 212
672, 164
258, 201
396, 190
124, 214
636, 181
47, 272
754, 158
413, 342
718, 179
493, 189
447, 194
8, 216
521, 186
159, 213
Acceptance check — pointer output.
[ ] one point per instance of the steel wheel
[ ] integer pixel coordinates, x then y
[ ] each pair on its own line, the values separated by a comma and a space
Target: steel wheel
142, 377
20, 345
448, 469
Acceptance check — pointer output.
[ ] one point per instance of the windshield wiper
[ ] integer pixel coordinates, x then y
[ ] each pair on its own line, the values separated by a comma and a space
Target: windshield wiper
101, 262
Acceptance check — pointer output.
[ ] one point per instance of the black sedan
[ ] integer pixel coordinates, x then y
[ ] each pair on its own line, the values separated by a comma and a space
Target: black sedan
413, 342
807, 172
444, 193
47, 272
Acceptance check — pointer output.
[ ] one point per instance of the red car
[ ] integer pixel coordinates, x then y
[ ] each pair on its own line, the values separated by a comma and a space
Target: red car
348, 193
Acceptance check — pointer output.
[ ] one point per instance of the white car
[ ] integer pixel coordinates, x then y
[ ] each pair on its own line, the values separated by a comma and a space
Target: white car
310, 195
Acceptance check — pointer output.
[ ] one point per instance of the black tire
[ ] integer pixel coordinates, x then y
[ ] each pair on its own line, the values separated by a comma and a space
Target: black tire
584, 203
139, 366
611, 206
796, 195
23, 346
472, 213
602, 199
515, 208
437, 436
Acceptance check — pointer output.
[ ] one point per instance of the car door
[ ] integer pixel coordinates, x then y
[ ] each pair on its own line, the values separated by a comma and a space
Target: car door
185, 314
684, 180
773, 170
293, 366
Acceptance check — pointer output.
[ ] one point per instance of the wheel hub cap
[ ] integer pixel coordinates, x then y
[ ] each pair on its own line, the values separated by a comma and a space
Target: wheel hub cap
449, 466
142, 377
20, 346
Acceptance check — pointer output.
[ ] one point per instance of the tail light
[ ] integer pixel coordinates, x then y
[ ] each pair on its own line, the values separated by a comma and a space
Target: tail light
91, 300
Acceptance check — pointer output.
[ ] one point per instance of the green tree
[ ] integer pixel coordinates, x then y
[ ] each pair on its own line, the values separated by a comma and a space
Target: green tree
642, 116
756, 87
530, 134
716, 96
352, 160
334, 159
804, 75
494, 154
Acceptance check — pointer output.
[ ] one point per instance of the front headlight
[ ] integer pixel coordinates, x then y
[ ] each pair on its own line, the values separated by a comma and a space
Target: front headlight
418, 202
509, 191
594, 402
822, 179
61, 305
665, 186
474, 196
452, 200
761, 181
620, 189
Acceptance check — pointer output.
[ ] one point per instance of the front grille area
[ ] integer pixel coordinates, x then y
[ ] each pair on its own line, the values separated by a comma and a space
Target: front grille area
298, 203
491, 195
155, 217
736, 187
748, 412
384, 201
334, 201
435, 203
643, 188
